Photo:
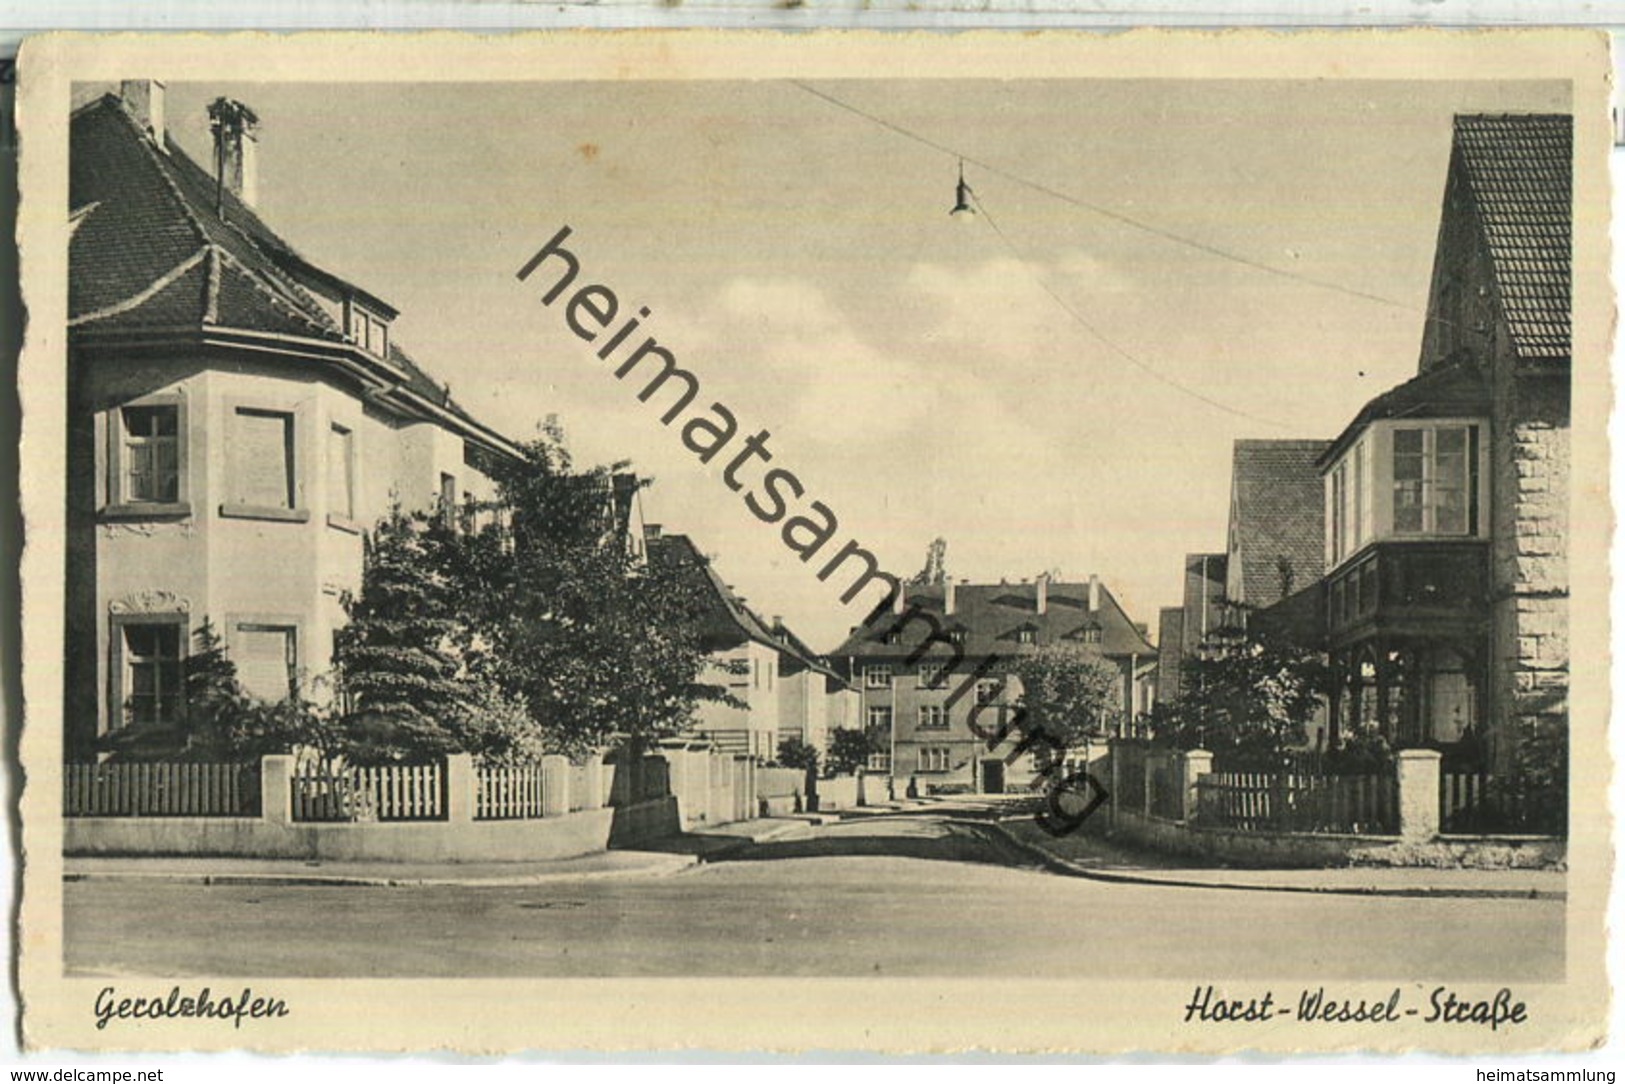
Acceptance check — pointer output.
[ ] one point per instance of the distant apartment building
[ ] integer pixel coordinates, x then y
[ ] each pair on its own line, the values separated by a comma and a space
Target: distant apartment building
973, 632
237, 417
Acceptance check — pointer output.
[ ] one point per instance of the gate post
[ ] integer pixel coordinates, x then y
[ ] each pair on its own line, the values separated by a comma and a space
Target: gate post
460, 797
1418, 771
276, 789
1192, 764
555, 786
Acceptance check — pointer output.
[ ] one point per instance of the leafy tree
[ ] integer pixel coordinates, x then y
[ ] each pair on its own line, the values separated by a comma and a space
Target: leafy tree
850, 749
795, 753
528, 625
1067, 692
1252, 698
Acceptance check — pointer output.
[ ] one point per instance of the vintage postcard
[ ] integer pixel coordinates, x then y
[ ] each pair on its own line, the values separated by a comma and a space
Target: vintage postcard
842, 542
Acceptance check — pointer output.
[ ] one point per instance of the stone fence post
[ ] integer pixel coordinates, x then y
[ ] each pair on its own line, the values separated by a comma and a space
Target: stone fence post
460, 784
555, 785
1116, 776
1418, 772
594, 798
1192, 765
276, 789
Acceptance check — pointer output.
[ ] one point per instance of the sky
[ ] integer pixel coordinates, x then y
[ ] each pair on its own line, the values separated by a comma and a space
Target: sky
1047, 386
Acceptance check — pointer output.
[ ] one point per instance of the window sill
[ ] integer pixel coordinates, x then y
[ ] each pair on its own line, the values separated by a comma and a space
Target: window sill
143, 510
343, 523
255, 511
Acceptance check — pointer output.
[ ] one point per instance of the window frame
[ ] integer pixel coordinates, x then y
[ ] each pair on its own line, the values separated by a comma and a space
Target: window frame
872, 675
112, 448
940, 754
118, 718
343, 519
237, 622
299, 511
931, 717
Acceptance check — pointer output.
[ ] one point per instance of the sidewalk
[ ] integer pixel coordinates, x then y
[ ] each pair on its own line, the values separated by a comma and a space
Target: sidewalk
654, 859
293, 871
1083, 855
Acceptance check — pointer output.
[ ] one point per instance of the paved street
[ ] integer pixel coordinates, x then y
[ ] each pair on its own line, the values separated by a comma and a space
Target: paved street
885, 896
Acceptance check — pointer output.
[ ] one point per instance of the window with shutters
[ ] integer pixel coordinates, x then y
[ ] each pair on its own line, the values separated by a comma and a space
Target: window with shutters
146, 458
148, 687
267, 657
263, 479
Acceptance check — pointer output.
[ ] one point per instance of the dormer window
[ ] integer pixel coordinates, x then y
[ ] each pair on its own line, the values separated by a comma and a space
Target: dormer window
1405, 479
1026, 636
368, 330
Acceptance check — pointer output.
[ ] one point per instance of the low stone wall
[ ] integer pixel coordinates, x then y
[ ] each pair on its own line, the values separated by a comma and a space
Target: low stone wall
1288, 850
563, 836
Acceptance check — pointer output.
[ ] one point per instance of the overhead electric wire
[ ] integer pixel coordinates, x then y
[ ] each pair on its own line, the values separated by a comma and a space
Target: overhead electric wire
1116, 348
1105, 212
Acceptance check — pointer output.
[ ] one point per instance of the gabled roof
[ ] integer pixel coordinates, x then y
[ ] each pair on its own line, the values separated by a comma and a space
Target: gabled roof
793, 650
991, 614
157, 246
1519, 169
1276, 518
726, 621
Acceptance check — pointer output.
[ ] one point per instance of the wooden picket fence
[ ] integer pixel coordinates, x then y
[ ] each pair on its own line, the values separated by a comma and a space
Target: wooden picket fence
506, 794
161, 790
1478, 803
394, 792
1280, 802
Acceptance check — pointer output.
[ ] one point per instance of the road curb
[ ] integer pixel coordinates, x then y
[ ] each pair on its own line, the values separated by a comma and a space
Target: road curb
1057, 864
677, 864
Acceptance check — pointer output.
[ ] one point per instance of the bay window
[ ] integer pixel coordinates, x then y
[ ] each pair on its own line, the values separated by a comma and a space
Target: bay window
1404, 479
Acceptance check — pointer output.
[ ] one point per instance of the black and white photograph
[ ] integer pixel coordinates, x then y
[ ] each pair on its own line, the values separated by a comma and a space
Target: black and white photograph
714, 536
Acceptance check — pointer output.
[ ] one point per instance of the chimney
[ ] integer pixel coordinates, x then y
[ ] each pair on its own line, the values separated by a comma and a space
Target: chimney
948, 593
236, 143
900, 598
1042, 583
144, 98
1094, 593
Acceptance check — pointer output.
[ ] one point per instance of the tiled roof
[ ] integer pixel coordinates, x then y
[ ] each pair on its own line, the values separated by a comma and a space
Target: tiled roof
156, 245
796, 652
1276, 517
726, 622
992, 616
1519, 169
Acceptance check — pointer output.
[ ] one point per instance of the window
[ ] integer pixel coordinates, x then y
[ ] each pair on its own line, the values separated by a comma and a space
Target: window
341, 474
931, 677
1026, 636
877, 677
447, 500
1088, 634
150, 676
1349, 517
151, 454
1435, 480
264, 477
932, 716
145, 446
893, 636
880, 718
988, 690
956, 636
369, 332
267, 659
934, 758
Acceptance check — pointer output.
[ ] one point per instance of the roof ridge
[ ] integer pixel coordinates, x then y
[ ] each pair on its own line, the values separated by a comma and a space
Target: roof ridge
151, 155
